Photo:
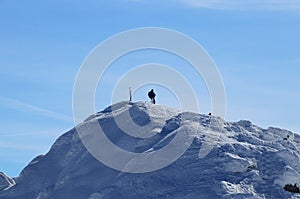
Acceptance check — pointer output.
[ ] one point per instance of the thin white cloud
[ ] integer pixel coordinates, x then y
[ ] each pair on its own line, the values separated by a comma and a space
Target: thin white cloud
276, 5
22, 147
53, 133
21, 106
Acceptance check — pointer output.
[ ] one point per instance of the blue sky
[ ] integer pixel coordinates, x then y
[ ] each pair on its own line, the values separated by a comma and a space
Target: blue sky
255, 45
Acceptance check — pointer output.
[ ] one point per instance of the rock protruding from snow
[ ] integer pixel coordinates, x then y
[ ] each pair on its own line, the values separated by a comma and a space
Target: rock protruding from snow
5, 181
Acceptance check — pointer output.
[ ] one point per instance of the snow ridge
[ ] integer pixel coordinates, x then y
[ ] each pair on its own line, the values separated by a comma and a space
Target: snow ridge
245, 161
5, 182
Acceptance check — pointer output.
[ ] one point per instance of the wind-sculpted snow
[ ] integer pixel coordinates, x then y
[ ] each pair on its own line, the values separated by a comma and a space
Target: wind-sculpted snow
5, 182
245, 161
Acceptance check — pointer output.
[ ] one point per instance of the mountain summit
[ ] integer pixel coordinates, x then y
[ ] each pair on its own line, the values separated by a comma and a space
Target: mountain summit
223, 159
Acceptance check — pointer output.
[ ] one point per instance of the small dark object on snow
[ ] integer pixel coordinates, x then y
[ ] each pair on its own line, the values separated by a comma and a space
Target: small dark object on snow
152, 95
292, 188
287, 137
209, 113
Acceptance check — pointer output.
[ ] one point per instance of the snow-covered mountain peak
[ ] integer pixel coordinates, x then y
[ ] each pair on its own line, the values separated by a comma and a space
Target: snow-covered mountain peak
223, 160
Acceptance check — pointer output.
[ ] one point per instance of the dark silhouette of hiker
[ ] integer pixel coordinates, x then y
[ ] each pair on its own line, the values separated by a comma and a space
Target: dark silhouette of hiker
152, 95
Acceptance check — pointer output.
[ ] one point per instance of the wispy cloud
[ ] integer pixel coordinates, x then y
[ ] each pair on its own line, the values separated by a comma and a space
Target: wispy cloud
53, 133
276, 5
21, 106
22, 147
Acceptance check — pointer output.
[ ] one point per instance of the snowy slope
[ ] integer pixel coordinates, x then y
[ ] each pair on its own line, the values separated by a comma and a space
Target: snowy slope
5, 181
245, 162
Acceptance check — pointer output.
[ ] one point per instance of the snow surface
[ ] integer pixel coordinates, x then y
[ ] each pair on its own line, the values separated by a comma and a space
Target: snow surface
5, 181
246, 161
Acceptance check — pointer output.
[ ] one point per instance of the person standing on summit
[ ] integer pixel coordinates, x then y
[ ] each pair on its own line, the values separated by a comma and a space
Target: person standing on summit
152, 95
